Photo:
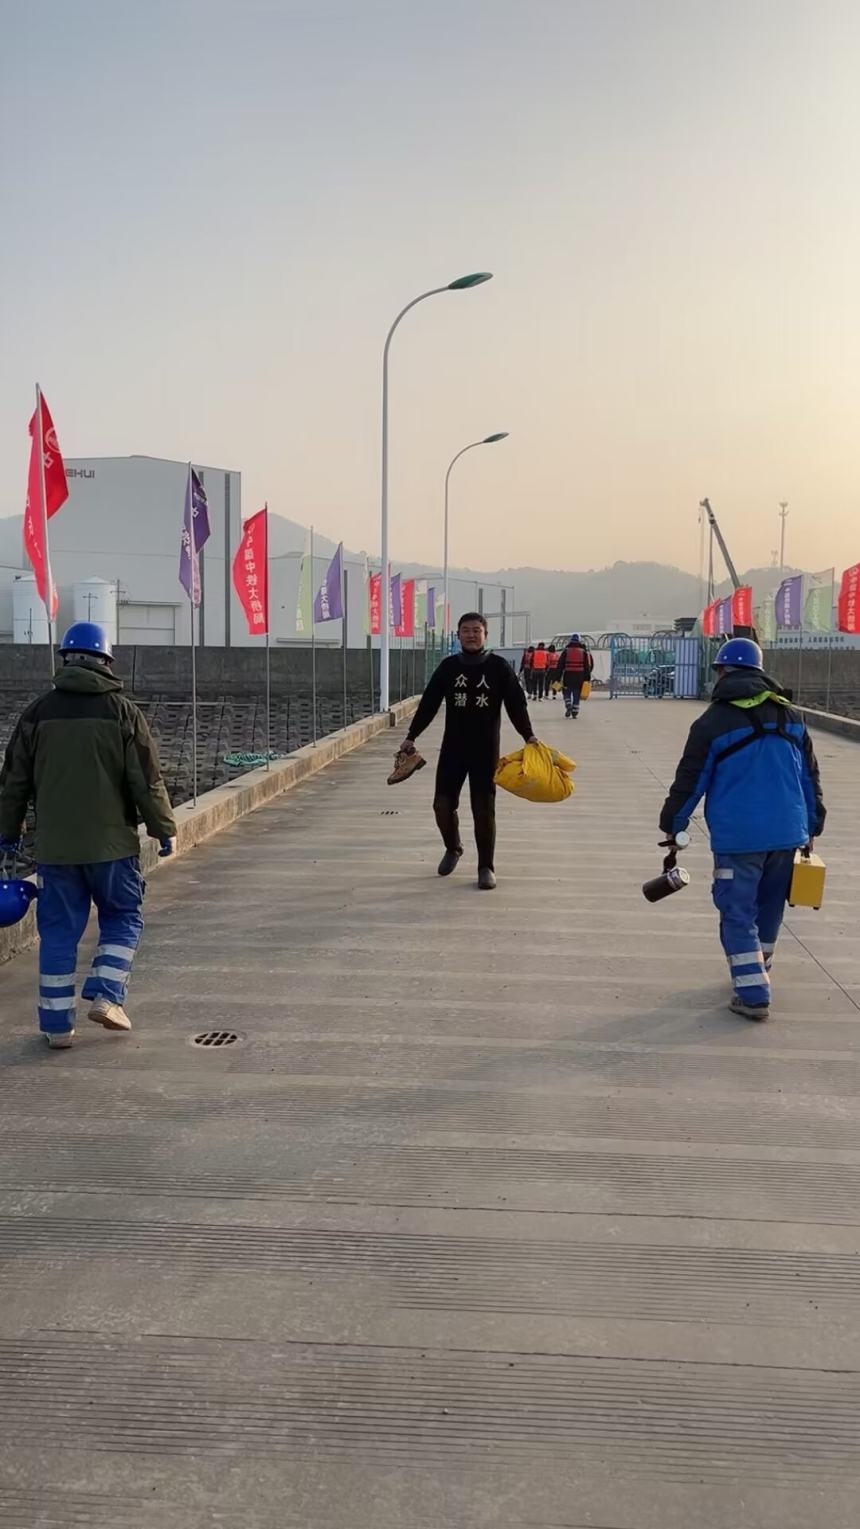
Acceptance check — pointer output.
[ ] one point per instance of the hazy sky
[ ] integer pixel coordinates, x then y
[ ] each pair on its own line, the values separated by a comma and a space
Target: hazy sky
210, 210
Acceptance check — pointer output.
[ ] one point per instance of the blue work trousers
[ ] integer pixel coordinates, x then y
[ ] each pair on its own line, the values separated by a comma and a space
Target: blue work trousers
750, 893
66, 896
572, 690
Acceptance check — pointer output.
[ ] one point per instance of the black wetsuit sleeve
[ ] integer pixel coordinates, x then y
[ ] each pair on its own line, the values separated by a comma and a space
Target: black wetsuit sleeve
434, 695
516, 705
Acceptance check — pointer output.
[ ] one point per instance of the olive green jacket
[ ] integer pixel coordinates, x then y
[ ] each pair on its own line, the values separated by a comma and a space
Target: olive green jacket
85, 756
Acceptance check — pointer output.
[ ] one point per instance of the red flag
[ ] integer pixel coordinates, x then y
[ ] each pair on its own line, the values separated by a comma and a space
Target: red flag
251, 572
742, 612
849, 600
47, 490
407, 610
56, 487
374, 594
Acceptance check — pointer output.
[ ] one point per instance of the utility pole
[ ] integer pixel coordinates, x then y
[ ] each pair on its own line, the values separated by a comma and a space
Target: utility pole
783, 511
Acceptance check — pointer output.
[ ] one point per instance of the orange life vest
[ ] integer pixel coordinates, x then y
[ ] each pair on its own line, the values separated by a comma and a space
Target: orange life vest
576, 660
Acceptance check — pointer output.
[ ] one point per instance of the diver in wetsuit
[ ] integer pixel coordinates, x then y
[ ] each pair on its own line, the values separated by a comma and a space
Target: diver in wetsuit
474, 684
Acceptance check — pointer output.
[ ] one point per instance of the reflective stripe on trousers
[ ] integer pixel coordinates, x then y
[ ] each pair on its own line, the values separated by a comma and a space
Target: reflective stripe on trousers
750, 893
66, 896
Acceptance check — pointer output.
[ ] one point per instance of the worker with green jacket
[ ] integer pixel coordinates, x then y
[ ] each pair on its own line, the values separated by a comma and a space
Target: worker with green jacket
84, 755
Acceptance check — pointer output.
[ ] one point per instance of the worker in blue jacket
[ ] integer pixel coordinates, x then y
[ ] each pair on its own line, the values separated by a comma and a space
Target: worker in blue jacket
752, 759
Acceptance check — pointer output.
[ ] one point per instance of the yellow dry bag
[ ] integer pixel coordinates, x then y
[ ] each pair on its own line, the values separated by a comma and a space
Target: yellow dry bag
537, 773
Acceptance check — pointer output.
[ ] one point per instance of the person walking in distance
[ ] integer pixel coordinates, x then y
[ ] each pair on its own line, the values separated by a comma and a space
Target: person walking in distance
574, 669
752, 759
527, 670
474, 685
86, 758
539, 662
551, 666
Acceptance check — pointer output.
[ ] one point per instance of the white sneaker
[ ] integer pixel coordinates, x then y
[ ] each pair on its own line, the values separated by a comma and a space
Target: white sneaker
111, 1015
60, 1041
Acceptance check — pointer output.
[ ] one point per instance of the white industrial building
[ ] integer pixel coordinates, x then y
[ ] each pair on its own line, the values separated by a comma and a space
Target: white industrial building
115, 558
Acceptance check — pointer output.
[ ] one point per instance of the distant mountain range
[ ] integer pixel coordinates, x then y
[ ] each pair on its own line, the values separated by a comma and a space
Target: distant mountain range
558, 599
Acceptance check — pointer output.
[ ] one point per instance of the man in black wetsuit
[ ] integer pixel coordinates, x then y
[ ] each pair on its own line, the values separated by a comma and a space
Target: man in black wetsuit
474, 685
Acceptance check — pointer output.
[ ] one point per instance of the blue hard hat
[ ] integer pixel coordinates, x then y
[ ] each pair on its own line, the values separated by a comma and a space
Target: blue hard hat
15, 898
739, 653
87, 637
574, 637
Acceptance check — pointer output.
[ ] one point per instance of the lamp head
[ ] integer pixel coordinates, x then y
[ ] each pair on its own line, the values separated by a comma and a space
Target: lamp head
476, 279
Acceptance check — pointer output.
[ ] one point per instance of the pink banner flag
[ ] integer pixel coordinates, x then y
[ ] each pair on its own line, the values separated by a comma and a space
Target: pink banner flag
251, 572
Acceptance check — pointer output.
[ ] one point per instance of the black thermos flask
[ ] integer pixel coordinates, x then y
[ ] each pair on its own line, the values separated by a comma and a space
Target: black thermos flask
673, 876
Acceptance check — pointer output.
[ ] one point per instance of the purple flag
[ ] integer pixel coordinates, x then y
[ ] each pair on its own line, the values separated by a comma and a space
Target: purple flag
789, 603
195, 533
396, 601
328, 601
724, 618
431, 608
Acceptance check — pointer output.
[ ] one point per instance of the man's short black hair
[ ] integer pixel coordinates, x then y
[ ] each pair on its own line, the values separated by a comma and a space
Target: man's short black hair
473, 616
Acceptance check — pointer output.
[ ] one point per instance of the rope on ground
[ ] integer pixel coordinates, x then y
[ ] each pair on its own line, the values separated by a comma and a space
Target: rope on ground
249, 761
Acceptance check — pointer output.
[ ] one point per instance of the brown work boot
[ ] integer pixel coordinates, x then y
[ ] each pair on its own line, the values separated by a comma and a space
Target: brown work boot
405, 765
750, 1010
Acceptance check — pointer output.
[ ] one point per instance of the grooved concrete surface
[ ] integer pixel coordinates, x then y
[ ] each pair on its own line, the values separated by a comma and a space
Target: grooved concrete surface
495, 1216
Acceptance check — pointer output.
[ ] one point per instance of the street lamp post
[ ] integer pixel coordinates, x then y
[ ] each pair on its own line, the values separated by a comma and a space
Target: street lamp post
783, 511
462, 284
487, 440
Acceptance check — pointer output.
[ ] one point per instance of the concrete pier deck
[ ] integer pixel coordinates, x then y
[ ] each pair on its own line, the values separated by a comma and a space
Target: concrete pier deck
493, 1216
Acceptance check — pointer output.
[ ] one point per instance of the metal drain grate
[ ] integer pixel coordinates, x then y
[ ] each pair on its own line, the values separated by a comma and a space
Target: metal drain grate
390, 812
216, 1038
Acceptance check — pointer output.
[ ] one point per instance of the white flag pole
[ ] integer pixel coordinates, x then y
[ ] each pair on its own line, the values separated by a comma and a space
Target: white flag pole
268, 645
192, 552
193, 708
344, 598
313, 646
43, 510
830, 630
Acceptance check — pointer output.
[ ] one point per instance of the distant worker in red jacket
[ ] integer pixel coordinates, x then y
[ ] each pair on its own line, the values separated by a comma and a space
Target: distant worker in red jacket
552, 659
575, 668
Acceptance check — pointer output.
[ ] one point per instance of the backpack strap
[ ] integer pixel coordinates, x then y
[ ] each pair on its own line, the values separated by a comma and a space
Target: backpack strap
759, 730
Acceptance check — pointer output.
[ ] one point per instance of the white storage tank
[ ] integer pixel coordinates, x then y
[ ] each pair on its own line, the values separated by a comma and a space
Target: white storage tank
96, 600
29, 621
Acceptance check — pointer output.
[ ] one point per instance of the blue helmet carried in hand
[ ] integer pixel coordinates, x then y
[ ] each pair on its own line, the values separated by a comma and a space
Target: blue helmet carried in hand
739, 653
87, 637
16, 896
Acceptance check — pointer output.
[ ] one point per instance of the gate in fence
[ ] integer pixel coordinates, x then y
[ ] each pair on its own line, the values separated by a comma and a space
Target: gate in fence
653, 667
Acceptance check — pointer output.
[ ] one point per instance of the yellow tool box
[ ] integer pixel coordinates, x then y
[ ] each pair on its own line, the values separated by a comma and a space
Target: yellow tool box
807, 881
